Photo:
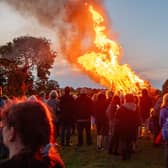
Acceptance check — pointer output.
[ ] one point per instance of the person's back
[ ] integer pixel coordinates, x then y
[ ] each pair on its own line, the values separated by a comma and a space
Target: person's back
67, 116
127, 117
84, 107
67, 107
54, 107
26, 141
84, 110
54, 104
145, 105
42, 97
26, 160
115, 104
127, 121
100, 108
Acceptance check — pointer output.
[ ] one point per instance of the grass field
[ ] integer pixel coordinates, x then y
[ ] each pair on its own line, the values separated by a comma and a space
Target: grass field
88, 157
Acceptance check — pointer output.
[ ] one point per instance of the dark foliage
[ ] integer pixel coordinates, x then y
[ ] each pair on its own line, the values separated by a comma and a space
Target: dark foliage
22, 60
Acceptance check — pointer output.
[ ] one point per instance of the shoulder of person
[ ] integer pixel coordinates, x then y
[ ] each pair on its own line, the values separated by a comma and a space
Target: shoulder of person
164, 110
6, 163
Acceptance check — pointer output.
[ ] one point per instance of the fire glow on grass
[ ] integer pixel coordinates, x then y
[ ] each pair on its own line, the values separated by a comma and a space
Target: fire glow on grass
103, 66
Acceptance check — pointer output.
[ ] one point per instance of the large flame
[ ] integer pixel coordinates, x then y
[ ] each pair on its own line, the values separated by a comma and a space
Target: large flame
102, 65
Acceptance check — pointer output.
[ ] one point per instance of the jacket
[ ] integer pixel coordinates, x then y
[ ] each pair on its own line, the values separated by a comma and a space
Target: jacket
163, 116
26, 160
127, 118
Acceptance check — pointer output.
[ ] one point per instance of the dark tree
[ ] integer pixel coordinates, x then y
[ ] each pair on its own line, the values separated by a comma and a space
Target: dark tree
22, 60
48, 86
165, 87
52, 84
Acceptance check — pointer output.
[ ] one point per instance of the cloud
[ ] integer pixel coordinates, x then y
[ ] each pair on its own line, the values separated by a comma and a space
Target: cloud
67, 74
155, 75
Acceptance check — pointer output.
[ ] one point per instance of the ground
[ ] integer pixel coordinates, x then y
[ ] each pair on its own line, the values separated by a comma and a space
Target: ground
147, 156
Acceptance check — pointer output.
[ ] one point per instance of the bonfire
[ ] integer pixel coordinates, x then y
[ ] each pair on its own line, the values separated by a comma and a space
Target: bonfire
102, 64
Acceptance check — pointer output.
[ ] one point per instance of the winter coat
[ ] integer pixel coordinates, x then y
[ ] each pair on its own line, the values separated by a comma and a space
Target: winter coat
163, 115
26, 160
55, 109
84, 108
127, 121
67, 107
100, 109
145, 105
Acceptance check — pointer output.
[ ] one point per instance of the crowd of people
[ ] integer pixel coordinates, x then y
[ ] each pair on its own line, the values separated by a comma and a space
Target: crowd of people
119, 120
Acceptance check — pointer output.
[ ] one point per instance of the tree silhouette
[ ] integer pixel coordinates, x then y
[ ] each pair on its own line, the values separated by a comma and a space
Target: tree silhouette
165, 87
24, 59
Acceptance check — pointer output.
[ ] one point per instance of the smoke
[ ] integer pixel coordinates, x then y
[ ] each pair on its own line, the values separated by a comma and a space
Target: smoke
70, 20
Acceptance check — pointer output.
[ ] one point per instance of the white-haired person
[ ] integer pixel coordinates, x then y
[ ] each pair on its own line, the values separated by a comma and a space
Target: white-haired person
42, 96
27, 128
54, 104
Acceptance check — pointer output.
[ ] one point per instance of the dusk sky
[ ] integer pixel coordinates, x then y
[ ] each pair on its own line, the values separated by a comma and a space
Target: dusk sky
142, 31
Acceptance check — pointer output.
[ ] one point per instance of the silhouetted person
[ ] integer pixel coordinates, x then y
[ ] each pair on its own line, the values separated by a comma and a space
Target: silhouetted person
84, 107
111, 113
101, 120
54, 105
42, 96
145, 106
27, 129
127, 118
67, 116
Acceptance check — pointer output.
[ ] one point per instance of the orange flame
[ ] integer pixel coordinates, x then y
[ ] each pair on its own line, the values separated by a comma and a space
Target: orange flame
103, 65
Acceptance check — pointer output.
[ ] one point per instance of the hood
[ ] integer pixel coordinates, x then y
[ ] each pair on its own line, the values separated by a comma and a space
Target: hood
130, 106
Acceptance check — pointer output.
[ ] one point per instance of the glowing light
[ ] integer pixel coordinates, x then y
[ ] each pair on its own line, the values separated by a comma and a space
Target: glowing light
102, 65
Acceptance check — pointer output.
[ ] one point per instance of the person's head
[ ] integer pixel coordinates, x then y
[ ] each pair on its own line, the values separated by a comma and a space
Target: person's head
116, 100
94, 97
33, 98
42, 94
5, 98
129, 98
53, 94
83, 91
67, 90
136, 100
109, 94
165, 100
144, 92
101, 97
28, 123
